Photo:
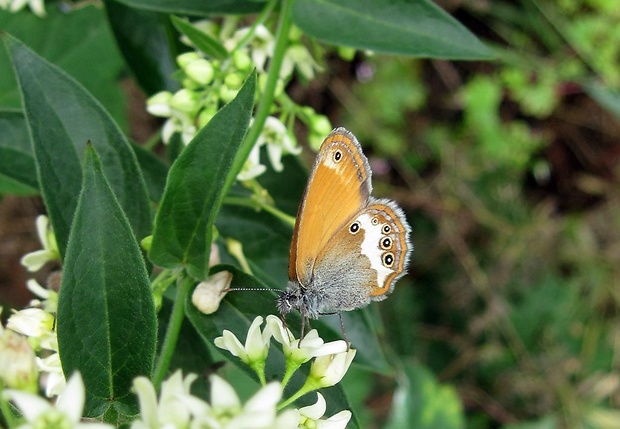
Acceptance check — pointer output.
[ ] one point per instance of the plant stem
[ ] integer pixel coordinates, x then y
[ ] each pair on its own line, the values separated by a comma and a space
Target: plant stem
254, 203
172, 333
265, 103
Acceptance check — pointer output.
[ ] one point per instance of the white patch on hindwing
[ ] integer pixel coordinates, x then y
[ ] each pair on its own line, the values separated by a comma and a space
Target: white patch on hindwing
371, 247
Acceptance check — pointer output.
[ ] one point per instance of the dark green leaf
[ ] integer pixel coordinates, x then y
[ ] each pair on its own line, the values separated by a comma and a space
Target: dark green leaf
197, 7
144, 40
408, 27
62, 118
154, 171
201, 40
16, 161
236, 313
198, 181
422, 403
77, 40
106, 315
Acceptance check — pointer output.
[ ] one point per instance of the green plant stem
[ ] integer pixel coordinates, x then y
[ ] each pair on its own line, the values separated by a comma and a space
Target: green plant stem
308, 387
253, 203
265, 103
262, 17
172, 333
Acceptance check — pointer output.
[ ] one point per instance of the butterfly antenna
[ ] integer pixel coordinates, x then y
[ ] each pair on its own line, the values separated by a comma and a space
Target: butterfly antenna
251, 289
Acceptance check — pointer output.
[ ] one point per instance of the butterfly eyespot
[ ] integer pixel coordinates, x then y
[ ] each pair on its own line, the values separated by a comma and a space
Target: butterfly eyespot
386, 243
386, 229
337, 156
374, 221
354, 228
388, 259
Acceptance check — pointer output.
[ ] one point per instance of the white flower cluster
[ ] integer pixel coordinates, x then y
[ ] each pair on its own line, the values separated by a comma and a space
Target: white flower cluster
28, 345
210, 83
330, 364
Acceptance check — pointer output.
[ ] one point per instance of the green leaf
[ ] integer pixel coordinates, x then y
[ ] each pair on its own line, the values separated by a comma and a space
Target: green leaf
154, 171
143, 38
200, 39
91, 57
16, 160
422, 403
106, 315
198, 181
236, 313
197, 7
62, 117
408, 27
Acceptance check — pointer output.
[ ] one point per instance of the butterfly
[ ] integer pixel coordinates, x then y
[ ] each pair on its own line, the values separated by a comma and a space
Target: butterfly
348, 248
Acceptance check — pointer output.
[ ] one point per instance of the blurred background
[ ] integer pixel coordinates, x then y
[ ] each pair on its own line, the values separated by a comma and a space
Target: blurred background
508, 171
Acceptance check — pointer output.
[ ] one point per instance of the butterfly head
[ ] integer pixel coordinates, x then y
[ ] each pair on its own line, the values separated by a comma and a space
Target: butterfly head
299, 298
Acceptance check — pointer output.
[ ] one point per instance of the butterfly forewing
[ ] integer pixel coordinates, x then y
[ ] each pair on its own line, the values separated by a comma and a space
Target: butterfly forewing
339, 186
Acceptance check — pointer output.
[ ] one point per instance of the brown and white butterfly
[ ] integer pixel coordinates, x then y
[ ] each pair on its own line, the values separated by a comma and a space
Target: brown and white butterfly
348, 248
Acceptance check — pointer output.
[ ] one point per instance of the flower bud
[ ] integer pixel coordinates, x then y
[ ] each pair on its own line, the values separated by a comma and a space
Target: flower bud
184, 59
184, 100
242, 60
200, 71
18, 368
209, 293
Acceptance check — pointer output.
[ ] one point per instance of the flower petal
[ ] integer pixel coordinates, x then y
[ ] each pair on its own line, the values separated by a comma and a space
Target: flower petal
147, 399
316, 410
337, 421
222, 394
71, 401
30, 405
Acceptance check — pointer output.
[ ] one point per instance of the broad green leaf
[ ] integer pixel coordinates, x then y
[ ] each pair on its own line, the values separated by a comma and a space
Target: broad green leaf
106, 314
421, 402
236, 313
16, 160
143, 38
408, 27
197, 7
197, 183
79, 41
62, 117
154, 171
200, 39
10, 186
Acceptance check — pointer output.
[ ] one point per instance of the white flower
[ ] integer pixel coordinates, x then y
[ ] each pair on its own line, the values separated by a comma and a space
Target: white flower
46, 298
298, 56
52, 374
209, 293
260, 410
302, 351
33, 261
36, 6
31, 322
256, 343
328, 370
252, 167
278, 141
172, 410
261, 44
40, 413
310, 416
18, 369
159, 104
